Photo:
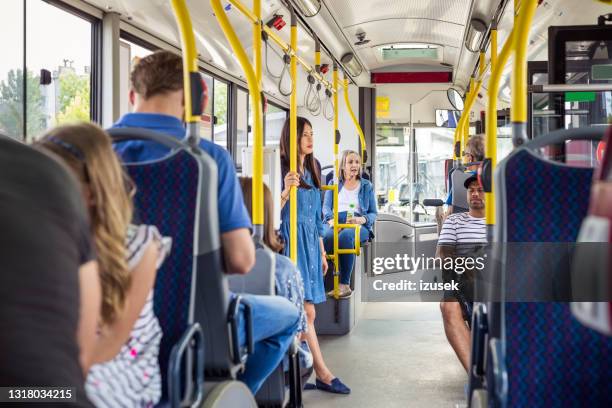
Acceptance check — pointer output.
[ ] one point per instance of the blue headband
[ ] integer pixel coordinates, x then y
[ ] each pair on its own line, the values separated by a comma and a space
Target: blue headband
73, 150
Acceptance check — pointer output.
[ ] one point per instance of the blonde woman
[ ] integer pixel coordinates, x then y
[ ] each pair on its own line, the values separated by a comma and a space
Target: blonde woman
356, 205
124, 369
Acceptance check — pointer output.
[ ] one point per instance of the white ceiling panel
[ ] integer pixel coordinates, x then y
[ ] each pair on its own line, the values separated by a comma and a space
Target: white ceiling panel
440, 22
354, 12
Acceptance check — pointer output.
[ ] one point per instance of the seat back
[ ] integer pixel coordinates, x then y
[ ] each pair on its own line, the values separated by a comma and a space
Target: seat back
550, 359
177, 193
260, 280
593, 262
458, 177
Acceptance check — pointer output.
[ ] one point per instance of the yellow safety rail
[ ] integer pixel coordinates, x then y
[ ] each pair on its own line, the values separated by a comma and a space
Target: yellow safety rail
293, 148
497, 66
287, 48
518, 112
253, 81
193, 103
355, 121
334, 189
463, 127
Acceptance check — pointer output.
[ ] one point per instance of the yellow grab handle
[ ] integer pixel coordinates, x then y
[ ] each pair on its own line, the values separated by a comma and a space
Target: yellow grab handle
355, 121
518, 113
255, 93
192, 81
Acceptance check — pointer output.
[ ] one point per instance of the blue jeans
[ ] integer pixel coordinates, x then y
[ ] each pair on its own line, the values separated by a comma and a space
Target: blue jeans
346, 240
275, 323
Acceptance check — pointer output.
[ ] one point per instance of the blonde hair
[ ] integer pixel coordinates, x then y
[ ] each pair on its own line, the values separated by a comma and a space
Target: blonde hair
88, 151
345, 155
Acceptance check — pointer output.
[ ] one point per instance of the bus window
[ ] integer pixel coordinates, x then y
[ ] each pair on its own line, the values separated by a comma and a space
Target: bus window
206, 120
392, 162
11, 71
242, 124
129, 53
220, 111
65, 53
432, 149
275, 119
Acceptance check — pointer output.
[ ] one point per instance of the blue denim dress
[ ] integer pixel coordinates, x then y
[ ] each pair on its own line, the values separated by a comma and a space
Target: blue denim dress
309, 230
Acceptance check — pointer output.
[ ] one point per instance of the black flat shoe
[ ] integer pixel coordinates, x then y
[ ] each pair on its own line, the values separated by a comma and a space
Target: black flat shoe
336, 386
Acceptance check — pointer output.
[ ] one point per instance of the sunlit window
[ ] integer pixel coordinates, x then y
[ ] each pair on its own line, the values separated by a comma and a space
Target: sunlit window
220, 108
242, 122
206, 120
59, 62
11, 70
275, 119
58, 75
129, 54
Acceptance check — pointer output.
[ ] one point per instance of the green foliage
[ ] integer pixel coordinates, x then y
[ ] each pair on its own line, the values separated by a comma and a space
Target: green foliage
74, 98
11, 104
220, 98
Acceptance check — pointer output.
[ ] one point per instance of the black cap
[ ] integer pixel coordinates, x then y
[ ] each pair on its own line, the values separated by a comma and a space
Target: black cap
469, 180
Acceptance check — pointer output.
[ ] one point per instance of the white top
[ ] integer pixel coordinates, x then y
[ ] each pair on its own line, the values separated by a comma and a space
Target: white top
462, 231
132, 378
347, 197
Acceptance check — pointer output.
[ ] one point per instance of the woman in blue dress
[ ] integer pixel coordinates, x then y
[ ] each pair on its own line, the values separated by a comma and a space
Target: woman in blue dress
311, 260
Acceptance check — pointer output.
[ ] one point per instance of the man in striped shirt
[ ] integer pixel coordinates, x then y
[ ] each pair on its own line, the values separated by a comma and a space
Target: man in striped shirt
461, 235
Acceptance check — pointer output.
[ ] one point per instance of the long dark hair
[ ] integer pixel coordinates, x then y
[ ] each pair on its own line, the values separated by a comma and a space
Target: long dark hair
310, 162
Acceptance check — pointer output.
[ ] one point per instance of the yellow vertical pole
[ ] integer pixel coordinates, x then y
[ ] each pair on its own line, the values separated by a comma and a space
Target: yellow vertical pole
465, 131
518, 113
355, 121
255, 94
481, 64
335, 191
491, 124
190, 65
317, 55
293, 148
258, 199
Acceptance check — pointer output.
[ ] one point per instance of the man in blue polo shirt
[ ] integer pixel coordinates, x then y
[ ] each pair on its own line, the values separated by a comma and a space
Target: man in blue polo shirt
156, 93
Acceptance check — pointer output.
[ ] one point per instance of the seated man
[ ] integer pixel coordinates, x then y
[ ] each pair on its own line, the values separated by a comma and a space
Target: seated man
461, 234
49, 289
474, 152
156, 94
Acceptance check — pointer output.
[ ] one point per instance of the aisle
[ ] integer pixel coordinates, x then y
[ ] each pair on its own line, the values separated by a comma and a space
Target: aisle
397, 356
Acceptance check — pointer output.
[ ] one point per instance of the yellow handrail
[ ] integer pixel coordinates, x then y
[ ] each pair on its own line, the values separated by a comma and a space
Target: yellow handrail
287, 48
255, 94
190, 64
497, 65
355, 121
293, 149
463, 126
336, 255
518, 113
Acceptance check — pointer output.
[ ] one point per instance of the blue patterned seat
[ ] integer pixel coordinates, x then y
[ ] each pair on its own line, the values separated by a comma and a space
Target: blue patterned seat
165, 197
551, 359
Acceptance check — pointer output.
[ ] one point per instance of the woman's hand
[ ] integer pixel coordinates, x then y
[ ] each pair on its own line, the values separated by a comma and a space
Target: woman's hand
292, 178
330, 222
324, 262
356, 220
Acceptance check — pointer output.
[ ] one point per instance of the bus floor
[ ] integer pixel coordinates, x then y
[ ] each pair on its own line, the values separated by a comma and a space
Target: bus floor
396, 356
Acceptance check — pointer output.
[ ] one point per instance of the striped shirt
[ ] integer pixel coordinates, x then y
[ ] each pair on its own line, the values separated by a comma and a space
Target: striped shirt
462, 231
132, 378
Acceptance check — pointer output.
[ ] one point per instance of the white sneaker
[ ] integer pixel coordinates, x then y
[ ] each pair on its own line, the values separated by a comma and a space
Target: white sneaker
305, 355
